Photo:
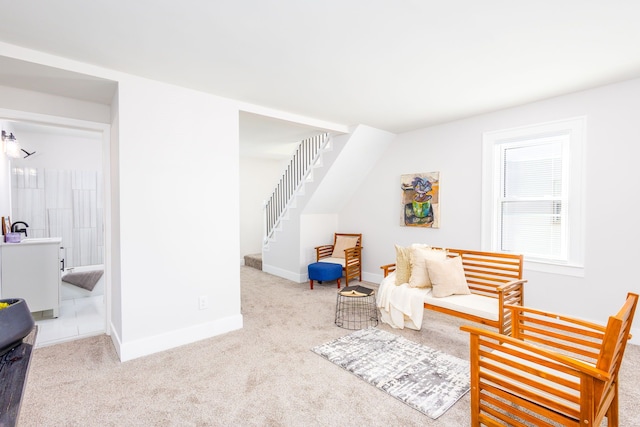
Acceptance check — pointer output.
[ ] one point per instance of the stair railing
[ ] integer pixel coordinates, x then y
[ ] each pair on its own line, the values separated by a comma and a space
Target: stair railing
299, 167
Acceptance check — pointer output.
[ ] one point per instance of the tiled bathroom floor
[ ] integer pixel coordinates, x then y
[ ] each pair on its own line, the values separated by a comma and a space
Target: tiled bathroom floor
80, 317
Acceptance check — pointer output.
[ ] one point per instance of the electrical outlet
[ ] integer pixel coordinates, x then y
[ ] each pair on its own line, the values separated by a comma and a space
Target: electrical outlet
203, 302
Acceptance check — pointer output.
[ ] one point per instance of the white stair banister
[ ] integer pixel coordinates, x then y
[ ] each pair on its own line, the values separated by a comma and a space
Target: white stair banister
301, 164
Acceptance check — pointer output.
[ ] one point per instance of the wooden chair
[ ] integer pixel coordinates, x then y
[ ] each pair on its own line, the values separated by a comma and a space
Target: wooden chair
352, 260
553, 370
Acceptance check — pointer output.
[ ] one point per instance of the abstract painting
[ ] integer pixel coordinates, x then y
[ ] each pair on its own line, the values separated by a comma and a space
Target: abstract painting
420, 199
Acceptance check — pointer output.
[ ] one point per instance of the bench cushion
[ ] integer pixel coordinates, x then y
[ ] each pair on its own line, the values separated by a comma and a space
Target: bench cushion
477, 305
333, 260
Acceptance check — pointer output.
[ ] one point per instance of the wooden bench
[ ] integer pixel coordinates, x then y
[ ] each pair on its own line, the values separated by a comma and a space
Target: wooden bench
491, 275
552, 370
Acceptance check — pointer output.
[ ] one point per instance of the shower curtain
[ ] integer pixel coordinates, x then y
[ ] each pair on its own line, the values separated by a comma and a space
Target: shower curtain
62, 203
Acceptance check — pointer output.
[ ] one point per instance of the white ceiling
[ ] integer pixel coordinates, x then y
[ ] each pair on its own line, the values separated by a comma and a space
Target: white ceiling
392, 65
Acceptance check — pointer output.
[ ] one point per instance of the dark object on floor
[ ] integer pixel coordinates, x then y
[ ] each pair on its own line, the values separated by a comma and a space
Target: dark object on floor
83, 279
14, 367
15, 323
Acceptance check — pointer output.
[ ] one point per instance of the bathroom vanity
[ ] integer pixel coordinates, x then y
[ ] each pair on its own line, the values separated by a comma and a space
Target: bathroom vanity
31, 270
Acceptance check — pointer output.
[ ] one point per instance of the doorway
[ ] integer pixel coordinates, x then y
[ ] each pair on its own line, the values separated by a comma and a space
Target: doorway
65, 184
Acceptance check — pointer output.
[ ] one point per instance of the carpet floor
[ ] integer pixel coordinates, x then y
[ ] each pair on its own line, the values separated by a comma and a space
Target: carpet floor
261, 375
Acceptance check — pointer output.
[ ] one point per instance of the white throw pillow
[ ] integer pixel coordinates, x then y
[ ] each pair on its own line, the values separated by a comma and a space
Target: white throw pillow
342, 243
419, 256
447, 277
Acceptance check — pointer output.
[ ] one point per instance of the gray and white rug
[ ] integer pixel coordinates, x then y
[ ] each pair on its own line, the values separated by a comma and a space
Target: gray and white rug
425, 379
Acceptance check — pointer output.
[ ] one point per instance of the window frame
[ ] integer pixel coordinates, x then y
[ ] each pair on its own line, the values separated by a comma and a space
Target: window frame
493, 147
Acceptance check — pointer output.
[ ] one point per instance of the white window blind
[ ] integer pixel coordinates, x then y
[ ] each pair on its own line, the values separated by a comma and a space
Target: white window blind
532, 192
530, 206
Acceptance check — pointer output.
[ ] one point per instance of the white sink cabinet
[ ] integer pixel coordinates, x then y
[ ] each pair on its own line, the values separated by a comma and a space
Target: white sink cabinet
31, 270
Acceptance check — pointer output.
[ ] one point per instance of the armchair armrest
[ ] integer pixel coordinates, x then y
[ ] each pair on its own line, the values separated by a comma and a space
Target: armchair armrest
352, 254
353, 263
388, 268
510, 286
511, 293
323, 251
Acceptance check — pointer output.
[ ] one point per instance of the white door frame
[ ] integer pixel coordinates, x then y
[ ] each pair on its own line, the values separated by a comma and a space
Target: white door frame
105, 130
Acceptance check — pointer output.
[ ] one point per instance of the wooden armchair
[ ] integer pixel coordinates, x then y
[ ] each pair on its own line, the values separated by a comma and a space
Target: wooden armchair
351, 260
553, 370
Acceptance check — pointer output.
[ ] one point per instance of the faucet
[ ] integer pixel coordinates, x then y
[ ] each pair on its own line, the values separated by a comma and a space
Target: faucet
15, 229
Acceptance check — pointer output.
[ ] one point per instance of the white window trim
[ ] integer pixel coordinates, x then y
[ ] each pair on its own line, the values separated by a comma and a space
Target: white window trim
576, 128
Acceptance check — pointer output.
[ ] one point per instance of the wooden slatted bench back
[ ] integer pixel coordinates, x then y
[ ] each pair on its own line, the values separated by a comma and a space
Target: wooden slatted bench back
487, 271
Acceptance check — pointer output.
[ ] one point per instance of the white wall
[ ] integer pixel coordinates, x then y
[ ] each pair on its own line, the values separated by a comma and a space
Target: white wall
258, 179
55, 150
455, 150
42, 103
316, 230
178, 216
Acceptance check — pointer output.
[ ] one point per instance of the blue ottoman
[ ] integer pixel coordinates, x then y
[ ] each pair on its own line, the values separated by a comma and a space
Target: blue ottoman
322, 271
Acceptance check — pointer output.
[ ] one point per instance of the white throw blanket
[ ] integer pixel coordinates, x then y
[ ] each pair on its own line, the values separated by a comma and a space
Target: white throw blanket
401, 306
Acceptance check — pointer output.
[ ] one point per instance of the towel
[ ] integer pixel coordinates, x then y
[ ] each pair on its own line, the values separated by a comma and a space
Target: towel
401, 306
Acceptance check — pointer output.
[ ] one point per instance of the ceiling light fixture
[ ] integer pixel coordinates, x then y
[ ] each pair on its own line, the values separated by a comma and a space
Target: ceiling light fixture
11, 145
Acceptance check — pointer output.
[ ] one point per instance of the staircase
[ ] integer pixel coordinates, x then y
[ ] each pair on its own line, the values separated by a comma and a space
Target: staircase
307, 155
319, 181
253, 260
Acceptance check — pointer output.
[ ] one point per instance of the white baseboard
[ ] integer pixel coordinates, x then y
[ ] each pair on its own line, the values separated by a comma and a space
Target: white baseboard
285, 274
155, 344
373, 278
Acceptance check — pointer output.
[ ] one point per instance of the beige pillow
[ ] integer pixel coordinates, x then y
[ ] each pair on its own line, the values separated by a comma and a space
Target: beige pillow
419, 256
342, 243
420, 245
403, 265
447, 277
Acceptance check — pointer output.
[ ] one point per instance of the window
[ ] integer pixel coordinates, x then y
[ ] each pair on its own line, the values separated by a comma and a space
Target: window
533, 194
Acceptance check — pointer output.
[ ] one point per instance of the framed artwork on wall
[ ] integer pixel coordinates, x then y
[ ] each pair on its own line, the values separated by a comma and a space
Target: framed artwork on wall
420, 200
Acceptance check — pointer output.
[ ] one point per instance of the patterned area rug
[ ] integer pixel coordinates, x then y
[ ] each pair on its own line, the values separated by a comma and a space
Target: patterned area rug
425, 379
